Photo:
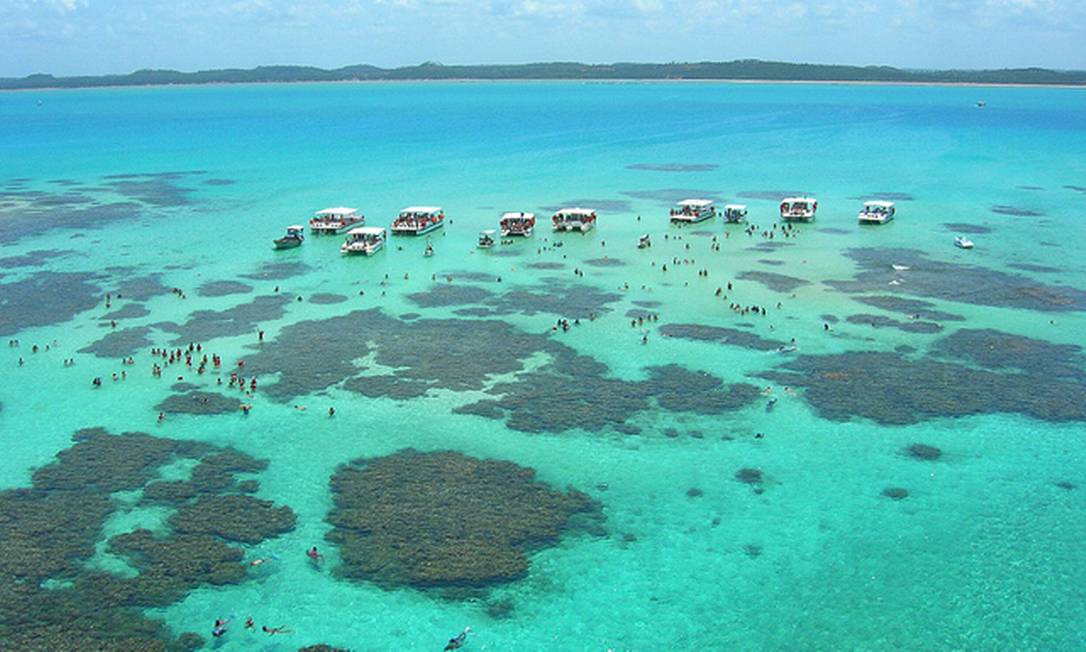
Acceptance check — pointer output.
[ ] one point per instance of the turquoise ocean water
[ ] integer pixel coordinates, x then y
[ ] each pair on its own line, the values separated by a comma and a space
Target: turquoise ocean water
189, 185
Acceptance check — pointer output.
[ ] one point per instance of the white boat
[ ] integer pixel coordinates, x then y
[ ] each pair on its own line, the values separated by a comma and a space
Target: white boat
418, 220
293, 238
574, 219
735, 213
962, 242
366, 240
692, 211
798, 209
580, 220
486, 239
644, 242
517, 224
330, 221
877, 212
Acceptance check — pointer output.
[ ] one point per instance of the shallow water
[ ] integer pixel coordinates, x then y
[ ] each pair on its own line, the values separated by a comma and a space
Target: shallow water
983, 553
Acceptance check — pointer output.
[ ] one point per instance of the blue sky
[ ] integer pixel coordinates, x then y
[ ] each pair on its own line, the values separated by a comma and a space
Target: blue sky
101, 36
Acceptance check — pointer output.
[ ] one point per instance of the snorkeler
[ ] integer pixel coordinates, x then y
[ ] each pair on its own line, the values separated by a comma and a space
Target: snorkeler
282, 629
220, 627
315, 556
458, 640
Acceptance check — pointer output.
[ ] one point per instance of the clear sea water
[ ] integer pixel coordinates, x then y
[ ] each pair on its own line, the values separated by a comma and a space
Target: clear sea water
985, 553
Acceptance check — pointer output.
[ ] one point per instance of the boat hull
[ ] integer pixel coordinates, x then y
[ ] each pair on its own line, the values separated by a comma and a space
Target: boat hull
287, 243
691, 219
333, 229
874, 220
361, 251
405, 230
583, 227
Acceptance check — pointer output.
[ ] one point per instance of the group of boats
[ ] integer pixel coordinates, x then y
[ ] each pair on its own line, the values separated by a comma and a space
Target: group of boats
421, 220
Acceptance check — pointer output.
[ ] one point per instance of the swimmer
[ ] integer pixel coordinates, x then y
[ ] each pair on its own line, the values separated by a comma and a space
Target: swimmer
249, 624
282, 629
161, 417
300, 408
314, 556
458, 640
220, 627
331, 411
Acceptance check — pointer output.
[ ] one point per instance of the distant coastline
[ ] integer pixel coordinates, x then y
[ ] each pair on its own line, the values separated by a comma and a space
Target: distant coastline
749, 71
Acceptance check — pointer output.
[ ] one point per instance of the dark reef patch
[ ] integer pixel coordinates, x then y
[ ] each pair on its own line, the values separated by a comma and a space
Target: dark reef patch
720, 335
199, 403
887, 196
463, 355
222, 288
1031, 267
605, 261
160, 192
35, 258
911, 307
880, 321
278, 271
546, 265
127, 311
1015, 211
646, 303
772, 195
234, 518
219, 182
994, 349
832, 230
45, 298
603, 205
966, 227
120, 344
445, 520
770, 246
772, 262
673, 167
923, 452
326, 298
895, 493
556, 297
846, 385
52, 599
205, 325
955, 282
672, 195
774, 281
140, 288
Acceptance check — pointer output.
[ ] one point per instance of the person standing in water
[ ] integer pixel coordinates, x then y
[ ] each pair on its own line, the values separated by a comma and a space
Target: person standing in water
458, 640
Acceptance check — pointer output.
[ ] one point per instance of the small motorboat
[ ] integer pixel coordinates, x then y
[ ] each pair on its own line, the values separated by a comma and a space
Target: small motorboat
900, 268
293, 238
486, 239
644, 242
735, 213
963, 242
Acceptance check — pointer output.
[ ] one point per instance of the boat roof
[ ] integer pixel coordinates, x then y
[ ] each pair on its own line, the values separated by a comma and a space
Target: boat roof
696, 202
792, 200
366, 230
295, 227
578, 211
737, 207
514, 215
879, 202
339, 210
421, 209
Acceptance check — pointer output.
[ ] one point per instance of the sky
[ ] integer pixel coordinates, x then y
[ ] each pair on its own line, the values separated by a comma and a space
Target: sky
66, 37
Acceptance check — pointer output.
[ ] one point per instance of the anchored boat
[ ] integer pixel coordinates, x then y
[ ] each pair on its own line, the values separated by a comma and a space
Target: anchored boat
365, 240
735, 213
418, 220
521, 224
330, 221
293, 238
877, 212
798, 209
961, 242
574, 219
692, 211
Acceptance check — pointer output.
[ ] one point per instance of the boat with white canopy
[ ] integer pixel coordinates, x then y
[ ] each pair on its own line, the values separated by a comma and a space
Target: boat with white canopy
293, 238
522, 224
692, 211
735, 213
330, 221
365, 240
574, 219
486, 239
798, 209
418, 220
877, 212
